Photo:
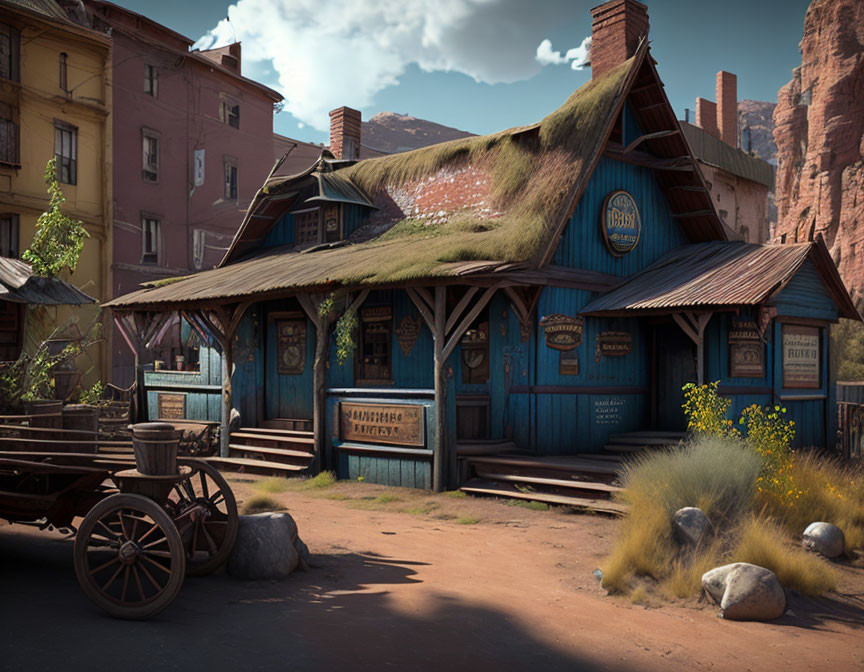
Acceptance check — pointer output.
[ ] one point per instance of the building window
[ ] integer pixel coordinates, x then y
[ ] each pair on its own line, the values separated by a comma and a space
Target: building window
151, 80
10, 51
64, 82
150, 229
9, 235
332, 222
306, 226
230, 179
8, 134
374, 361
229, 112
475, 354
66, 152
150, 156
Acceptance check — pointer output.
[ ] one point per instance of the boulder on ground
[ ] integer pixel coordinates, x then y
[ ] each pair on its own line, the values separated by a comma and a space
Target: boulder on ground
825, 539
691, 525
745, 592
267, 547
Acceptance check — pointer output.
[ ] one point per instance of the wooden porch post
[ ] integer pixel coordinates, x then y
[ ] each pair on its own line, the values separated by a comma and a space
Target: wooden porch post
439, 473
138, 330
693, 324
222, 322
310, 306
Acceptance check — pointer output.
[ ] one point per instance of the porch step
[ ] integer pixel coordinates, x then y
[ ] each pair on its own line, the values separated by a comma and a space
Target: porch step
276, 432
294, 437
241, 464
301, 424
632, 442
484, 487
470, 448
275, 452
553, 482
584, 465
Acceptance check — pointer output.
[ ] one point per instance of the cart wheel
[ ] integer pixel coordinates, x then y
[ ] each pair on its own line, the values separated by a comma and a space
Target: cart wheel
129, 557
205, 513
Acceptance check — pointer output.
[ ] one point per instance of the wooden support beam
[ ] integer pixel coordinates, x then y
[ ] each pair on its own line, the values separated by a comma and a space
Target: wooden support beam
653, 106
468, 319
439, 447
521, 308
460, 307
649, 136
693, 324
426, 296
423, 307
647, 87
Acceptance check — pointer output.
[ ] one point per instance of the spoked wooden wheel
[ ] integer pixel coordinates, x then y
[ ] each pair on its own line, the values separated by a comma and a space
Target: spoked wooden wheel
205, 513
129, 558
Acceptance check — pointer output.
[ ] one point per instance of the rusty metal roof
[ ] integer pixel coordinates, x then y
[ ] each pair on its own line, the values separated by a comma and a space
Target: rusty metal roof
719, 154
19, 285
720, 274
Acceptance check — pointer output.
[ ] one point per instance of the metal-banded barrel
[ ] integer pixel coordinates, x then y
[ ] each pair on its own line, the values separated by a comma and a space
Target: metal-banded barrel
82, 417
155, 445
46, 413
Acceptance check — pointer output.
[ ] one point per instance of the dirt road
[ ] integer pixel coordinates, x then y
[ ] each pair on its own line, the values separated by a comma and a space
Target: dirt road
425, 589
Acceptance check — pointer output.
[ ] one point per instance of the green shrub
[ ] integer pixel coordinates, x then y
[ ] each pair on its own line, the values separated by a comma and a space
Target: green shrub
323, 480
706, 410
261, 504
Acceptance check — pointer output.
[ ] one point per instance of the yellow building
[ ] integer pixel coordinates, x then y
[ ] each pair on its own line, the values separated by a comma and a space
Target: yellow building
55, 101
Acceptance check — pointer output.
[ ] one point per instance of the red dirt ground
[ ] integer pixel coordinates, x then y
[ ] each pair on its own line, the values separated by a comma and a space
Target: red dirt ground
410, 583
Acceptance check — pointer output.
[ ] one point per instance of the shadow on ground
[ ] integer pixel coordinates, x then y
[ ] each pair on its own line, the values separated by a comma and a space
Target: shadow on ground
337, 616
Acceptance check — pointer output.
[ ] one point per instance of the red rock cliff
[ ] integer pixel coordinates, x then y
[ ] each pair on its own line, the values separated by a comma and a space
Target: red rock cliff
818, 128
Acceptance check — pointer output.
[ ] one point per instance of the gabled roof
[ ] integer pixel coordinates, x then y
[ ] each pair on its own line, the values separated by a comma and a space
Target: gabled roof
714, 152
720, 275
530, 179
19, 285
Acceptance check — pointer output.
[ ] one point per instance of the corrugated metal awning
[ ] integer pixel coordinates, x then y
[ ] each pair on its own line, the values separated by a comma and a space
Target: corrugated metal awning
19, 285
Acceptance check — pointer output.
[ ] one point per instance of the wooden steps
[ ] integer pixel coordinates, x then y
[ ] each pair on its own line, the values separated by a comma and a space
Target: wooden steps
497, 489
290, 424
270, 450
555, 482
253, 466
634, 442
496, 447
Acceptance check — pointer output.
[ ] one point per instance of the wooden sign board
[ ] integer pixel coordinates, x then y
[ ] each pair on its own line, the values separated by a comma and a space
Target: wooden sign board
562, 331
621, 223
291, 347
568, 363
407, 333
393, 424
800, 357
614, 344
170, 406
746, 352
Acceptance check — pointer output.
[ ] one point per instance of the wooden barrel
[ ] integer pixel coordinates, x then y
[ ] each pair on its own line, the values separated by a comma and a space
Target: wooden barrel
84, 418
155, 445
46, 413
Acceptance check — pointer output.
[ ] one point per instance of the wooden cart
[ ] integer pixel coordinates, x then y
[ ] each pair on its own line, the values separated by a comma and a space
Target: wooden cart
140, 535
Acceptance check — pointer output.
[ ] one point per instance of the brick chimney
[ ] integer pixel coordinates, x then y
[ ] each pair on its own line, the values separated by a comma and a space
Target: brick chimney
706, 116
616, 29
345, 133
727, 107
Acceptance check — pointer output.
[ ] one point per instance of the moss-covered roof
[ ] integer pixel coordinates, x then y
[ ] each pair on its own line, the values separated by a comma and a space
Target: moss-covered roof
535, 173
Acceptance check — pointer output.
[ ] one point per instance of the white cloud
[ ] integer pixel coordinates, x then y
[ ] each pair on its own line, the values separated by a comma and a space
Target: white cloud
328, 53
577, 56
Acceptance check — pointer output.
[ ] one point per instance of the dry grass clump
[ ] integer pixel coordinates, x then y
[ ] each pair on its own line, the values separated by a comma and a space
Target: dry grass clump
762, 543
830, 492
260, 504
323, 480
273, 485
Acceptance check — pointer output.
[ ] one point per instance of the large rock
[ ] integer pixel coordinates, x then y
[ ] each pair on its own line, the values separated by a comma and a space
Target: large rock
745, 592
691, 525
267, 547
825, 539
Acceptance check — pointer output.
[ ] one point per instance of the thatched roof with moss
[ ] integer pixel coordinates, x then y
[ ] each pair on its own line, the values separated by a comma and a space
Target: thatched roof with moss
533, 177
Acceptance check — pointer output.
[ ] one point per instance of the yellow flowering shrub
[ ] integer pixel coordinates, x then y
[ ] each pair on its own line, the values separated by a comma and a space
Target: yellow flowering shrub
706, 410
770, 434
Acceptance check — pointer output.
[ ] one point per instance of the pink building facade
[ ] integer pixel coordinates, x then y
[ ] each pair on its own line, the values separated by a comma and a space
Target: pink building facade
193, 141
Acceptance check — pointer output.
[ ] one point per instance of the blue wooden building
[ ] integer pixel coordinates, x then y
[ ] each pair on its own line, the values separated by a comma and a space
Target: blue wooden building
537, 296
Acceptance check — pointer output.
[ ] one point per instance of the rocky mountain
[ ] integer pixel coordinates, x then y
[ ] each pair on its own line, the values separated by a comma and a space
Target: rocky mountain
390, 132
819, 131
758, 116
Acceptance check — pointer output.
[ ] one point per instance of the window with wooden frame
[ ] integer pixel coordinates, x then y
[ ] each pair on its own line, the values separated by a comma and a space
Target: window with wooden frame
9, 136
149, 155
150, 234
306, 226
66, 152
151, 80
230, 178
474, 346
63, 75
9, 228
10, 53
229, 111
332, 222
375, 348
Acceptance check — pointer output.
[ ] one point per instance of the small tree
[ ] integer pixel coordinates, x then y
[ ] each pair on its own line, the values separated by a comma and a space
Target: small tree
59, 239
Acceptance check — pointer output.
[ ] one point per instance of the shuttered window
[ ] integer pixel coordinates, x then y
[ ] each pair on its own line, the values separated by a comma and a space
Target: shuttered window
150, 155
66, 152
306, 227
9, 235
151, 80
10, 50
231, 177
150, 230
9, 137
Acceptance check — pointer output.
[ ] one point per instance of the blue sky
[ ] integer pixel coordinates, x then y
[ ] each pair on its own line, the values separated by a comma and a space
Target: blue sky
472, 65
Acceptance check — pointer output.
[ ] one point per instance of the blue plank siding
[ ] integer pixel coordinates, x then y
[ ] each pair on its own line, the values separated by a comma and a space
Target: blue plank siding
282, 232
582, 245
806, 296
352, 218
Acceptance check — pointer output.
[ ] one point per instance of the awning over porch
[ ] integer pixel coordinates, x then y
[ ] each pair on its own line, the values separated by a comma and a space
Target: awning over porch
19, 285
720, 275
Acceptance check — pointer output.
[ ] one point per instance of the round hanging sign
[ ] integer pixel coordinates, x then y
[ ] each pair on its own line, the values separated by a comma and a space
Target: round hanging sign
621, 223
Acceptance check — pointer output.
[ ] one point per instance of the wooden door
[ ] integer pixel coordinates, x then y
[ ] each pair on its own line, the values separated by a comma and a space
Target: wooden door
674, 359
